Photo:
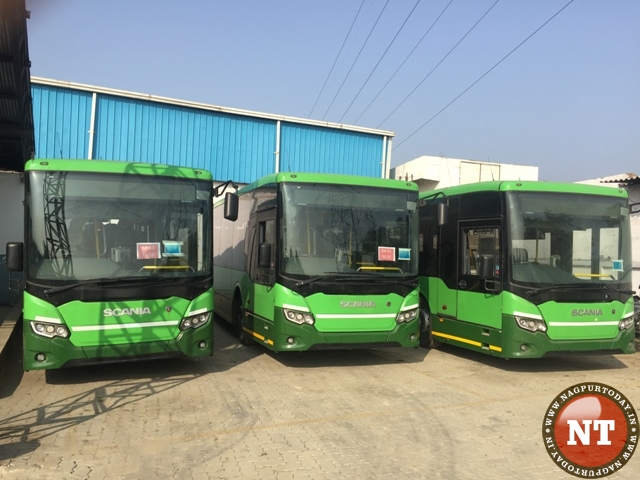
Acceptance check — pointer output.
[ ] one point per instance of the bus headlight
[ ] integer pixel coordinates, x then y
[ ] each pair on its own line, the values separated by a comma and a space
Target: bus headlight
407, 316
531, 324
50, 330
626, 323
298, 317
194, 321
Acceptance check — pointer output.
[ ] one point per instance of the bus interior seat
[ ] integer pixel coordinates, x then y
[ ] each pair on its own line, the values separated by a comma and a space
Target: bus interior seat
520, 256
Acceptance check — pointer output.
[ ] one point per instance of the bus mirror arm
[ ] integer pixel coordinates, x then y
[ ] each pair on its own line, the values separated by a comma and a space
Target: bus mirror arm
486, 271
15, 263
15, 256
264, 255
486, 266
231, 206
230, 200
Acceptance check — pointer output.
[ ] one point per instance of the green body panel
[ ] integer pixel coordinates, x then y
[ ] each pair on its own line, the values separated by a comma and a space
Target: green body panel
328, 178
444, 301
504, 338
112, 166
98, 338
90, 327
532, 186
514, 342
372, 322
480, 308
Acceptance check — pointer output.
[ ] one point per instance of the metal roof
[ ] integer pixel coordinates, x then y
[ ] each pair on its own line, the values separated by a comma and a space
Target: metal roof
622, 178
16, 113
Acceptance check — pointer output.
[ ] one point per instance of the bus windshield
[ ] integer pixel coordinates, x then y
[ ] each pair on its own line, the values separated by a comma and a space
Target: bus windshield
328, 229
558, 239
87, 226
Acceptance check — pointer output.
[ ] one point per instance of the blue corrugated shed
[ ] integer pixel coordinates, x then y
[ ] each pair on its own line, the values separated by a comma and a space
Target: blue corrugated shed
81, 121
326, 150
63, 121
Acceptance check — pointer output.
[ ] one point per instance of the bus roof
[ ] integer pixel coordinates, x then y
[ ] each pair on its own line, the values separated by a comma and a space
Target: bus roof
329, 178
113, 166
527, 186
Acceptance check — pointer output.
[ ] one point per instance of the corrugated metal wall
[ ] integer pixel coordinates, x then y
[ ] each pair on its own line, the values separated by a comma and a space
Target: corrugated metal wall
313, 149
231, 145
61, 122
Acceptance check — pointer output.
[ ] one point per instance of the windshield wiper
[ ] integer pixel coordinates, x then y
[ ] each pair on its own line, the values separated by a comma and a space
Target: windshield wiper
575, 286
327, 276
343, 277
100, 282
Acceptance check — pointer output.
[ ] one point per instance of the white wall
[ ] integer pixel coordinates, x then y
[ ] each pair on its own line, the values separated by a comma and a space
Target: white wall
431, 172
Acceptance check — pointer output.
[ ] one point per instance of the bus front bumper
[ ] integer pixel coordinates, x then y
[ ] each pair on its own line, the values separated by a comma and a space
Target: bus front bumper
40, 353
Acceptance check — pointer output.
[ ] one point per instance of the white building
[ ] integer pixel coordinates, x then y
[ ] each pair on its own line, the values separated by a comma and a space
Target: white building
431, 172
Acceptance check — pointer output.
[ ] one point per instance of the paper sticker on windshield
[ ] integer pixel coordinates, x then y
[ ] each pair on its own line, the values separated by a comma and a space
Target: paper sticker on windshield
147, 251
386, 254
404, 254
617, 265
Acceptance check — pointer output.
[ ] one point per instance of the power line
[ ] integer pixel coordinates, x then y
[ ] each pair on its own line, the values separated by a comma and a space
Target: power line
336, 60
483, 75
440, 62
354, 62
404, 61
380, 60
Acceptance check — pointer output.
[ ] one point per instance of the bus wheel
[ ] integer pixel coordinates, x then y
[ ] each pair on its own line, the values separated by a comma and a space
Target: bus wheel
238, 316
426, 338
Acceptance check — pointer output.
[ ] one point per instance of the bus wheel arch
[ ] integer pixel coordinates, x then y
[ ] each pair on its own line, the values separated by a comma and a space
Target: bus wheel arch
237, 314
426, 337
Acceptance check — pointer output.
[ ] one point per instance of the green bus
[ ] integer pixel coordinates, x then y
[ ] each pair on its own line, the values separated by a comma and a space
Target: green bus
319, 261
116, 261
522, 269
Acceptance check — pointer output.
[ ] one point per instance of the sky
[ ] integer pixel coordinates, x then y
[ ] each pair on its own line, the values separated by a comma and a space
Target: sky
547, 83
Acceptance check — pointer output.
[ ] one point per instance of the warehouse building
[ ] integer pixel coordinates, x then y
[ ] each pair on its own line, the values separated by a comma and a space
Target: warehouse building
88, 122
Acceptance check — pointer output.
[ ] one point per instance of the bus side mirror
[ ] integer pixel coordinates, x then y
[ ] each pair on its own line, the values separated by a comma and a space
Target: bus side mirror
443, 214
264, 255
15, 258
231, 206
486, 265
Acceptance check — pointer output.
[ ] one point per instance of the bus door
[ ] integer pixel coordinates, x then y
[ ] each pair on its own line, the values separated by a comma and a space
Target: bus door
262, 263
479, 274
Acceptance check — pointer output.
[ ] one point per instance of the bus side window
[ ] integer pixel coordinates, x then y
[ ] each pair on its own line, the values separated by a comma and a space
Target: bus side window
476, 243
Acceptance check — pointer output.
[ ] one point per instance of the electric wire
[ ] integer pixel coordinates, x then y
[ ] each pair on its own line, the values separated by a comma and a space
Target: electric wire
439, 63
336, 60
354, 62
483, 75
380, 60
404, 61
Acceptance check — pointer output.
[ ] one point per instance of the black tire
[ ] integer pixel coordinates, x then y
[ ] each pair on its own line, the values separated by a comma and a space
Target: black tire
238, 315
426, 338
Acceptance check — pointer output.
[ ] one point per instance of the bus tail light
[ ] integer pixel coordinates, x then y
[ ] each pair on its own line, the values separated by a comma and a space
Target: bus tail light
531, 324
194, 321
50, 330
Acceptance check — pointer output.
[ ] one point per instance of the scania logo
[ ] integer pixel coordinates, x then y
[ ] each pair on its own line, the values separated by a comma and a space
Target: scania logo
119, 312
588, 312
357, 304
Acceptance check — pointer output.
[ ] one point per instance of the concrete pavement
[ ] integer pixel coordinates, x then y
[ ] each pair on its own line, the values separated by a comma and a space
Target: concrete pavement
246, 413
